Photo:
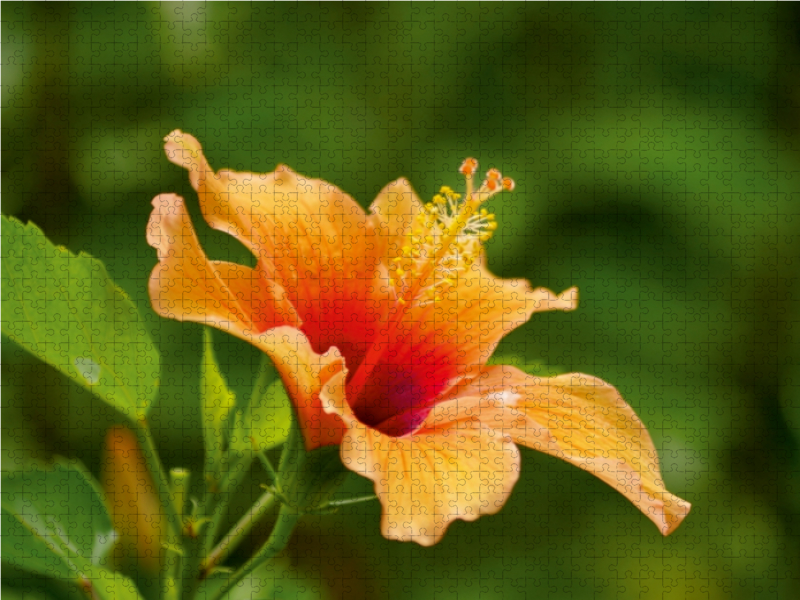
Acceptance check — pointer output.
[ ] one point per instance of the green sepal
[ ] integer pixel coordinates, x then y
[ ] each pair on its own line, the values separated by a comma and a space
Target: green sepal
265, 423
307, 480
66, 311
217, 402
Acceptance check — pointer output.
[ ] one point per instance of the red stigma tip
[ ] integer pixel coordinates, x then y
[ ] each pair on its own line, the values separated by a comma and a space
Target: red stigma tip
493, 174
508, 184
468, 167
491, 184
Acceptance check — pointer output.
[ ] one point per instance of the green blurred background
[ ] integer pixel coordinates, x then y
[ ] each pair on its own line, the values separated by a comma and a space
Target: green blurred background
655, 149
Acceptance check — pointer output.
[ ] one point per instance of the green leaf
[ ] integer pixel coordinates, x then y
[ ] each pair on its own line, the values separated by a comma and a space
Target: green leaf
12, 593
65, 310
217, 403
55, 521
265, 423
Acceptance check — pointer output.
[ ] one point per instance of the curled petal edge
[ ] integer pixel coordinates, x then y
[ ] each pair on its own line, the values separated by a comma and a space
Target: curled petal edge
425, 481
578, 418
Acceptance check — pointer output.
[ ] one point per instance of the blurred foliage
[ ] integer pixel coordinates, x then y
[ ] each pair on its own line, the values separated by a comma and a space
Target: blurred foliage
655, 149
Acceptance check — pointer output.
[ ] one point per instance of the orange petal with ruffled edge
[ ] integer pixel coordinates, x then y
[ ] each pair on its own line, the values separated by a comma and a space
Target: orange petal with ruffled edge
304, 232
440, 342
425, 481
463, 327
578, 418
468, 322
312, 241
185, 285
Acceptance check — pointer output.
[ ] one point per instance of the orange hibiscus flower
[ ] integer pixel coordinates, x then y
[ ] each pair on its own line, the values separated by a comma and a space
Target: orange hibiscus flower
380, 324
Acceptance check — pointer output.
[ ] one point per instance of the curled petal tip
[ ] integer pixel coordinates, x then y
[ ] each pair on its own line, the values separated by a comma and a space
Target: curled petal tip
569, 298
182, 149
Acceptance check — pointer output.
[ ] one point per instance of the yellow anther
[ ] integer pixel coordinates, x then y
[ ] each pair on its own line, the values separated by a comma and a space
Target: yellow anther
445, 238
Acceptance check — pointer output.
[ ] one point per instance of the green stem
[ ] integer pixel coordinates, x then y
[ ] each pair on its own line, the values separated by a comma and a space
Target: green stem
287, 519
238, 533
235, 478
190, 565
238, 471
337, 503
265, 462
264, 378
160, 481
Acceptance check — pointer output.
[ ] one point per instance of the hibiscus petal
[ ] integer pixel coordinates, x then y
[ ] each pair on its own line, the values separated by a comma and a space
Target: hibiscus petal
468, 323
425, 481
392, 213
186, 286
300, 229
443, 340
578, 418
312, 241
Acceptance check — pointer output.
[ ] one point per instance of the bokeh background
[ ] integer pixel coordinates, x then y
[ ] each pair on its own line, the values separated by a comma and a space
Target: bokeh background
655, 148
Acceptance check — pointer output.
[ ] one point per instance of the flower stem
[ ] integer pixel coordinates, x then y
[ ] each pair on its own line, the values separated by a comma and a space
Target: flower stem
238, 533
337, 503
287, 519
264, 379
236, 475
159, 477
238, 471
265, 462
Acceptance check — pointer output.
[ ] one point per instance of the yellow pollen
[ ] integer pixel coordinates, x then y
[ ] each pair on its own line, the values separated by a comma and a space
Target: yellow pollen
446, 238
